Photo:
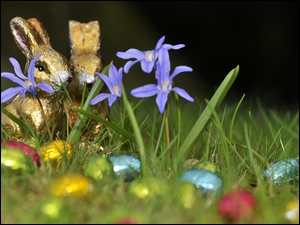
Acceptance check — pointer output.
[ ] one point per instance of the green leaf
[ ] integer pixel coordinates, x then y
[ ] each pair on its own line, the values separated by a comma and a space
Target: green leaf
106, 123
204, 118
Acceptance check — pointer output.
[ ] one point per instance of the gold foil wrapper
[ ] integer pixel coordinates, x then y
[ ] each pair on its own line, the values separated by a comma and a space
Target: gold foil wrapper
75, 185
52, 68
55, 150
85, 60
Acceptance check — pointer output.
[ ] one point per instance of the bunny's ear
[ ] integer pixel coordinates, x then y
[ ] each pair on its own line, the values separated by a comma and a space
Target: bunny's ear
25, 36
38, 26
84, 37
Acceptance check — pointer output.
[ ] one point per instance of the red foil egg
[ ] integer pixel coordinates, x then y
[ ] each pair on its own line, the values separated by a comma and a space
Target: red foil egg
236, 205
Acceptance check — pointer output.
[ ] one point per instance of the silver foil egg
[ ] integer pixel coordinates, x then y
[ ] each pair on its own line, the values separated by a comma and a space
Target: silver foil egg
202, 179
282, 171
126, 165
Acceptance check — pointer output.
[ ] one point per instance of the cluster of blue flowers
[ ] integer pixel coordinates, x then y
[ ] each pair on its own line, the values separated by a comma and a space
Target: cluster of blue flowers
157, 59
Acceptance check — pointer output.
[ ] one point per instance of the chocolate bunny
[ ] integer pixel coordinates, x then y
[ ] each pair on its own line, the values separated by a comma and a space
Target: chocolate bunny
84, 62
52, 67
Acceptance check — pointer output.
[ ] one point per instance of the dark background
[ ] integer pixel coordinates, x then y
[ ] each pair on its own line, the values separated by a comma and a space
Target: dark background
261, 37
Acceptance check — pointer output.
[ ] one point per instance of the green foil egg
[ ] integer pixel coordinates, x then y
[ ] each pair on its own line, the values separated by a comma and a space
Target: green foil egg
16, 161
53, 210
99, 168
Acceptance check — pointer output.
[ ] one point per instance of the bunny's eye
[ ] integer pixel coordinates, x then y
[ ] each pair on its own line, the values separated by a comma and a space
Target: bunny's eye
40, 68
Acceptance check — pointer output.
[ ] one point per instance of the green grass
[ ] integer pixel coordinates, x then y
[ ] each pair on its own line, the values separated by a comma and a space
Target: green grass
240, 138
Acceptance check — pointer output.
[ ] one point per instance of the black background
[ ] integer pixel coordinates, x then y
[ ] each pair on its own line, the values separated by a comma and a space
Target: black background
261, 37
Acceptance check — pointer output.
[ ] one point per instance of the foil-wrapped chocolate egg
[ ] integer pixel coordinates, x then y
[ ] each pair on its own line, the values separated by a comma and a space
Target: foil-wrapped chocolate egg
16, 161
54, 151
203, 179
75, 185
185, 193
126, 166
206, 165
28, 150
53, 210
282, 171
99, 168
148, 187
236, 205
292, 211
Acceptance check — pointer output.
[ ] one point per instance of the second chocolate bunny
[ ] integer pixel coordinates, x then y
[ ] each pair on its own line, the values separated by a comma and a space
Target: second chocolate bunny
84, 62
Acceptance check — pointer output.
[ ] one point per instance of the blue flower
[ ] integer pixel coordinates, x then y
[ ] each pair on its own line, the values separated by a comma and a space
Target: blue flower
146, 58
26, 84
164, 82
113, 82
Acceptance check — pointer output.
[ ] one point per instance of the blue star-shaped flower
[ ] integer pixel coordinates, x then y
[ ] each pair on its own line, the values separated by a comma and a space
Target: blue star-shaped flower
26, 84
146, 58
164, 82
113, 82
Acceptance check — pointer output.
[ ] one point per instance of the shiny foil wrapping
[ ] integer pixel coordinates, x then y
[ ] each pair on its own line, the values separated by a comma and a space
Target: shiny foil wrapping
28, 150
15, 161
54, 151
85, 60
99, 168
282, 171
126, 166
52, 67
202, 179
75, 185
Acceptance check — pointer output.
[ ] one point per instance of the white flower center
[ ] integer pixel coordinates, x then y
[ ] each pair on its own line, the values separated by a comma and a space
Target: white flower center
149, 56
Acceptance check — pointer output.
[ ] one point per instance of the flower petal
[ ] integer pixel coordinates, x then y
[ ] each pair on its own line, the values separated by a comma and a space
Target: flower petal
147, 67
180, 69
99, 98
10, 93
45, 87
112, 99
130, 64
159, 43
181, 92
131, 53
17, 68
14, 78
163, 66
161, 101
145, 91
168, 46
31, 70
106, 80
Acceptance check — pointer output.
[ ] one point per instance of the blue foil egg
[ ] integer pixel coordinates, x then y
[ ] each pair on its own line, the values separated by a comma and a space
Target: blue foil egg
202, 179
282, 171
126, 165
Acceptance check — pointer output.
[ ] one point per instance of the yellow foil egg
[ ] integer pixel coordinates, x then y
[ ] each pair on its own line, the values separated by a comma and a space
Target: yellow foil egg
292, 211
75, 185
54, 151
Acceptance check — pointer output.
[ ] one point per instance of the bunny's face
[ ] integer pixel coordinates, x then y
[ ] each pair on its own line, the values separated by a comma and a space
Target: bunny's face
53, 69
32, 39
85, 58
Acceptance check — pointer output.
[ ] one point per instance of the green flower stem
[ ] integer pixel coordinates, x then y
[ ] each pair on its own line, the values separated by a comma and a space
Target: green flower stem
136, 130
166, 121
44, 116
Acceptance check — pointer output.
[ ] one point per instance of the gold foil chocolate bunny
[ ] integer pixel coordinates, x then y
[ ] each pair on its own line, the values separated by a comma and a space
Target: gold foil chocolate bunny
84, 62
52, 67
